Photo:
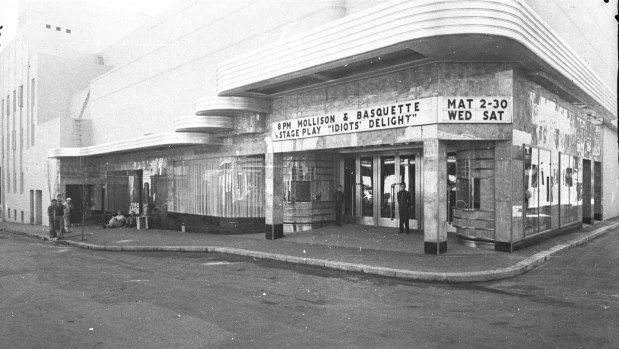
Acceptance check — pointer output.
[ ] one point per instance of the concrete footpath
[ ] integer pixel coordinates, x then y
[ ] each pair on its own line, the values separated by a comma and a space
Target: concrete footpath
354, 248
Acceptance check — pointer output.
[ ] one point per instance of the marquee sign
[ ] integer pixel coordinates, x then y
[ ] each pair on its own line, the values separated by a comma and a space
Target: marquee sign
417, 112
495, 110
402, 114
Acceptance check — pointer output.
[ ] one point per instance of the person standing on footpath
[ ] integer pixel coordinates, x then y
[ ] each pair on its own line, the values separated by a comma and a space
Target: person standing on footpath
339, 203
50, 217
59, 219
68, 206
404, 202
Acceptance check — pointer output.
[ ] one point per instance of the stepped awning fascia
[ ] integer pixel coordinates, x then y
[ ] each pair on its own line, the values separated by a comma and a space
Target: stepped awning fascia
153, 141
203, 123
230, 105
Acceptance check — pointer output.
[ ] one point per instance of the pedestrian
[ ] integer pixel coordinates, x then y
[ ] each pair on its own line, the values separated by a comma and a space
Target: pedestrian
59, 219
339, 203
132, 220
117, 221
68, 206
50, 217
404, 202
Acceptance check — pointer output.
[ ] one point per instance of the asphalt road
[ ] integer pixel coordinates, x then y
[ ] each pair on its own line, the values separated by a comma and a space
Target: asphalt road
54, 296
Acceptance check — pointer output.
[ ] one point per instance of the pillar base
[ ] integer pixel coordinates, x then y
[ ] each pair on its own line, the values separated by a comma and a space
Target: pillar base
275, 231
503, 246
434, 248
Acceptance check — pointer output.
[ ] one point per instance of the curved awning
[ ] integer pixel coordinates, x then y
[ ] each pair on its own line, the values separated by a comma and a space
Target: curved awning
154, 141
417, 30
231, 106
203, 123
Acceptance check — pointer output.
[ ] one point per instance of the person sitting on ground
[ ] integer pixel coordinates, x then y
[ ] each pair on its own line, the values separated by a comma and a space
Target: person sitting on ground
132, 220
117, 221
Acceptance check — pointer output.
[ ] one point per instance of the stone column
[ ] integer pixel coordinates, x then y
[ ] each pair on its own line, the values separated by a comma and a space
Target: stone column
587, 206
273, 195
503, 196
434, 196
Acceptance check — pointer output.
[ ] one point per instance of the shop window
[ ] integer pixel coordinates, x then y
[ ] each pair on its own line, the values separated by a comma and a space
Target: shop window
547, 214
220, 187
468, 188
298, 191
541, 190
531, 191
571, 189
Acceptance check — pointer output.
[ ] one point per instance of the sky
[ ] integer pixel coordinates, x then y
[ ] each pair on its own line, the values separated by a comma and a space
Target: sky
8, 12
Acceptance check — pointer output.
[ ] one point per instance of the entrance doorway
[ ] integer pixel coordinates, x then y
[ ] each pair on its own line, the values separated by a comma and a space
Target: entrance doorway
371, 184
81, 198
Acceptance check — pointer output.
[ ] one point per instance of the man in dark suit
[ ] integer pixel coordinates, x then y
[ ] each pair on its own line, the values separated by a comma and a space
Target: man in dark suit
52, 221
404, 202
339, 202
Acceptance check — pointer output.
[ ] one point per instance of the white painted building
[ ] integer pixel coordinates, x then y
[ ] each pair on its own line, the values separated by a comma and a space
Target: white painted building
178, 122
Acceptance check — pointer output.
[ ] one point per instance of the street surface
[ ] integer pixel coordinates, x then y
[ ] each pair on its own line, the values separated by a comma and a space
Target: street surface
52, 296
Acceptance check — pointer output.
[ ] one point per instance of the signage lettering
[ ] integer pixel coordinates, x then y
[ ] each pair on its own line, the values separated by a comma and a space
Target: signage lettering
476, 110
409, 113
463, 110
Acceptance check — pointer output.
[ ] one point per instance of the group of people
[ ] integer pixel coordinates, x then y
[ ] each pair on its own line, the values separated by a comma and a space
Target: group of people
119, 221
59, 214
404, 202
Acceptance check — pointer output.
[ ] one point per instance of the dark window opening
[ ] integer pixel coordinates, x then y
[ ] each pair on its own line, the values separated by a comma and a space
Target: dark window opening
20, 95
299, 192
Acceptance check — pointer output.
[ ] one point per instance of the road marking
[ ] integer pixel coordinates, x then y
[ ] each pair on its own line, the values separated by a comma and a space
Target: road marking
123, 241
137, 281
217, 263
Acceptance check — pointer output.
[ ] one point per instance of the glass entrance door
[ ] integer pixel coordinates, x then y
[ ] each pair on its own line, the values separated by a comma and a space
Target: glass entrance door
372, 183
388, 188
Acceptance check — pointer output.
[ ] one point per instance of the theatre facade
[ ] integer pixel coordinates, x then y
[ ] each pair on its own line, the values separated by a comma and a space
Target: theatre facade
501, 133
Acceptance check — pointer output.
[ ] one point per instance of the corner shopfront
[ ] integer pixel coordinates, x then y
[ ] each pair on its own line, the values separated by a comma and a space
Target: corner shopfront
477, 144
528, 169
502, 158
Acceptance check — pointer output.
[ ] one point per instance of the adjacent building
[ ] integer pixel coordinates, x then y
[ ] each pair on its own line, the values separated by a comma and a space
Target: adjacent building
244, 116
